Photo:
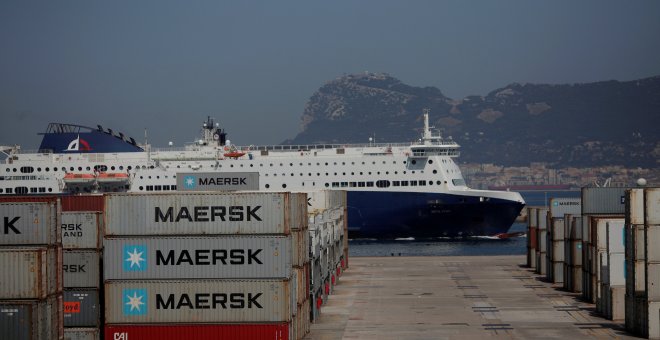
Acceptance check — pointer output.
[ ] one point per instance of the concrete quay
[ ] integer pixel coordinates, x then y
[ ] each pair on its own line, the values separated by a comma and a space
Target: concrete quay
455, 297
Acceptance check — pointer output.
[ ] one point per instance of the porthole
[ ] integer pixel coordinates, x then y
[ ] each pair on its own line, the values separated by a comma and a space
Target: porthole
70, 168
47, 169
251, 165
435, 171
38, 169
50, 189
267, 186
112, 167
430, 161
141, 187
404, 162
413, 162
327, 185
121, 167
80, 168
284, 186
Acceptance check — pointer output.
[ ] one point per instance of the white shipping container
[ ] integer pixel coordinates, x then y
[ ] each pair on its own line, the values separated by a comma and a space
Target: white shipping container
30, 272
81, 269
652, 248
557, 229
209, 257
653, 320
652, 206
653, 281
615, 237
543, 218
616, 266
81, 230
197, 301
29, 223
562, 206
635, 206
532, 217
197, 214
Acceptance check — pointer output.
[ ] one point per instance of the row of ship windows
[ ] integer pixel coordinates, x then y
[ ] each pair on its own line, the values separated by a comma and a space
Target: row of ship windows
157, 188
25, 190
100, 168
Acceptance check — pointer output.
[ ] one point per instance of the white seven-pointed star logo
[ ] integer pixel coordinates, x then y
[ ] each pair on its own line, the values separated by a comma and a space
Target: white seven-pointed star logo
134, 301
189, 182
135, 257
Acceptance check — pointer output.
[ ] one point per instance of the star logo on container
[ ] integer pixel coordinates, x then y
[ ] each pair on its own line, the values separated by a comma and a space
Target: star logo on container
135, 258
189, 182
134, 301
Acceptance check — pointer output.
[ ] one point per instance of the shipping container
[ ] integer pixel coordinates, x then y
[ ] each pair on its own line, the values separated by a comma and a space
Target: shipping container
615, 237
81, 308
562, 206
652, 243
197, 301
616, 263
635, 206
89, 203
209, 257
277, 331
81, 269
80, 230
30, 272
31, 319
30, 223
653, 320
652, 206
82, 334
603, 200
197, 213
653, 281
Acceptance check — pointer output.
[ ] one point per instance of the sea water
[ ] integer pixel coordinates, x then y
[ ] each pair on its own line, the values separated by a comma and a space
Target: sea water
480, 245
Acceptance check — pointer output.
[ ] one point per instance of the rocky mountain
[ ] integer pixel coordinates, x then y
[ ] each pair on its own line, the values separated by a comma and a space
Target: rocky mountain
591, 124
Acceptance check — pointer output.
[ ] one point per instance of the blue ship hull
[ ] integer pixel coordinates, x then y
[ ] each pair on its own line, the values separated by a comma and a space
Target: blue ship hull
384, 215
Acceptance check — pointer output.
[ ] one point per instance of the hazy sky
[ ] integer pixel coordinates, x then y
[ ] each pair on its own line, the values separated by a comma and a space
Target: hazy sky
166, 65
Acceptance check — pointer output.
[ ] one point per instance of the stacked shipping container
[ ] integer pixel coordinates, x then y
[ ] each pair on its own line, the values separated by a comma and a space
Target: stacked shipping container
217, 265
329, 245
31, 279
82, 243
532, 231
642, 262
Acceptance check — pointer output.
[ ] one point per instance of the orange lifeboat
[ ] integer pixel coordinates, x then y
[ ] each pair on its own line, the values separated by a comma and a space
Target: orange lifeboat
71, 178
112, 178
234, 154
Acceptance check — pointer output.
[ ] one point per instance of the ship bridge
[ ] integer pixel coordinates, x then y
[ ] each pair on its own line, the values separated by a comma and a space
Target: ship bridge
433, 144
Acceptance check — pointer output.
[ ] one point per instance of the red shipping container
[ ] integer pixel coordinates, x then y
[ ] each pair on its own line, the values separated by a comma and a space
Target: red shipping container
197, 331
69, 203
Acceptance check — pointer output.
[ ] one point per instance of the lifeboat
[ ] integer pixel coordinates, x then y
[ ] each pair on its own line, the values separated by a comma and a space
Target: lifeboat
112, 178
80, 179
234, 154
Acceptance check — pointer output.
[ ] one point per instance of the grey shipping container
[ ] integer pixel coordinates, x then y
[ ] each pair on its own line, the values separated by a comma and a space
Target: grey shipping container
82, 334
81, 230
197, 301
652, 206
81, 308
603, 201
562, 206
653, 281
29, 223
30, 272
210, 257
81, 269
31, 319
197, 213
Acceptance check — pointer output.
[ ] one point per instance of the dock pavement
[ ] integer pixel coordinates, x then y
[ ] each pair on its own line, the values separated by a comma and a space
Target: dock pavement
455, 297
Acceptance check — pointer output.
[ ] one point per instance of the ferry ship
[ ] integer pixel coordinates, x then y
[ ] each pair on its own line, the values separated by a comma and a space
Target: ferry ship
393, 189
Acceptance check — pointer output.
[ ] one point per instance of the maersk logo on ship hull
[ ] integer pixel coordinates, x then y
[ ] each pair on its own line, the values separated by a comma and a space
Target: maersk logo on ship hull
217, 181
